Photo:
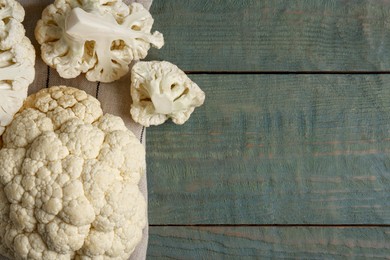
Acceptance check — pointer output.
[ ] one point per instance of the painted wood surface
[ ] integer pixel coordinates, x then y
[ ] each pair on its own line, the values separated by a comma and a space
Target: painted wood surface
291, 149
276, 149
274, 35
268, 243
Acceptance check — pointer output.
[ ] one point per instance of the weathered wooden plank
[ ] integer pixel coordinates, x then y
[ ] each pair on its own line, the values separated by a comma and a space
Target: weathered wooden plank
277, 35
284, 149
268, 243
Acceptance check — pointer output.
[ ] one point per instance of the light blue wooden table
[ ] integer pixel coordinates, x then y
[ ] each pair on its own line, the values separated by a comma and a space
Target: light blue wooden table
289, 156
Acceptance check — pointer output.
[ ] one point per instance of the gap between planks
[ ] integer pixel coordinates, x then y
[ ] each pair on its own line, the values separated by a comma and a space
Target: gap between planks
273, 225
290, 72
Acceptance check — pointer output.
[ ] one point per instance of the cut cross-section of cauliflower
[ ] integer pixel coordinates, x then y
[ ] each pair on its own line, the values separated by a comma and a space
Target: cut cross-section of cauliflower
160, 90
99, 38
69, 180
17, 60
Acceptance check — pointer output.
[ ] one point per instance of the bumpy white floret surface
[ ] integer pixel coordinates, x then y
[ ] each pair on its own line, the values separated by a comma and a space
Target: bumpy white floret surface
69, 181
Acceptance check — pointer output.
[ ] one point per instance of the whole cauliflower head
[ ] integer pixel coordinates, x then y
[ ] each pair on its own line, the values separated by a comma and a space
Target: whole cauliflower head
17, 60
160, 90
99, 38
69, 181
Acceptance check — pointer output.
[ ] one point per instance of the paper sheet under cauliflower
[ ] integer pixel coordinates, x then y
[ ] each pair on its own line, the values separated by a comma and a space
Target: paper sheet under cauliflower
99, 38
69, 181
160, 90
17, 59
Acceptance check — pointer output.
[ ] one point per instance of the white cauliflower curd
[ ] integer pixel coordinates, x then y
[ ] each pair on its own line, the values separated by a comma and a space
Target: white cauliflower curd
160, 90
99, 38
17, 60
69, 181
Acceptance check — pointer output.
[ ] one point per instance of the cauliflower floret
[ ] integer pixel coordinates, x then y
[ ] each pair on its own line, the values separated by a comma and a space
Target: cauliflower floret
69, 180
160, 90
98, 38
11, 28
17, 59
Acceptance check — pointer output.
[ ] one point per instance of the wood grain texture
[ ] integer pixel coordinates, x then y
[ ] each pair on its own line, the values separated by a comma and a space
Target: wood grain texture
276, 149
274, 35
268, 243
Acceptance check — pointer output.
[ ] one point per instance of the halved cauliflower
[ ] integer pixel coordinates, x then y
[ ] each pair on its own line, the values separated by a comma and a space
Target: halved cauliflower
69, 181
17, 60
99, 38
160, 90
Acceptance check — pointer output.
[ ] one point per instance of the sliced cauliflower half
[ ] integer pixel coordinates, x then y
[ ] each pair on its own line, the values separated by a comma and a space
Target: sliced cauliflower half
69, 181
99, 38
160, 90
17, 60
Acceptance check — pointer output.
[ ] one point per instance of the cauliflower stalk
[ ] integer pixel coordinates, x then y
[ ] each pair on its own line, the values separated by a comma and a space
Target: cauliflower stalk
99, 38
17, 59
160, 90
69, 181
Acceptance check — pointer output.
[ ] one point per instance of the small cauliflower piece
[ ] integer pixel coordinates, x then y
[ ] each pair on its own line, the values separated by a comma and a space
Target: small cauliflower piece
99, 38
69, 180
11, 28
17, 60
160, 90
